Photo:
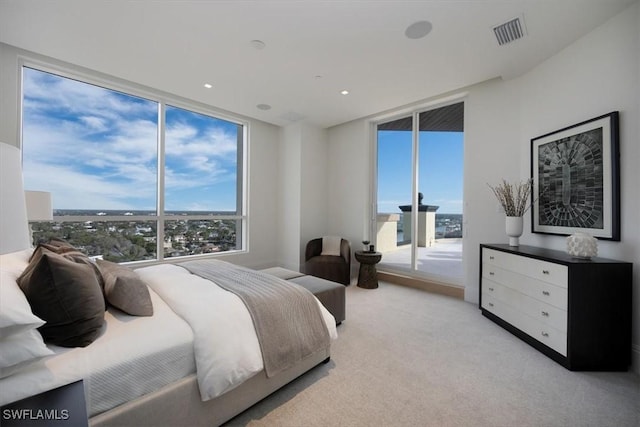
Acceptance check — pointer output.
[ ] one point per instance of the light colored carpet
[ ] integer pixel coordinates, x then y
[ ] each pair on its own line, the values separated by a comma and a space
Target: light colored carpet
406, 357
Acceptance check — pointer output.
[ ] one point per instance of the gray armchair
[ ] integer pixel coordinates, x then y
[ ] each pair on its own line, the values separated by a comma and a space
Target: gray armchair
330, 267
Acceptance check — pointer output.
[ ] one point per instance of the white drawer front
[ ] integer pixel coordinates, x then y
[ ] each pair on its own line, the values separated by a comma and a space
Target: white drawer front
489, 303
545, 313
544, 333
542, 291
549, 272
550, 337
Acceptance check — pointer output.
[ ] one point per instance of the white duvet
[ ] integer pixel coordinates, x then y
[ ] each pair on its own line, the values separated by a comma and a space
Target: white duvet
132, 356
226, 347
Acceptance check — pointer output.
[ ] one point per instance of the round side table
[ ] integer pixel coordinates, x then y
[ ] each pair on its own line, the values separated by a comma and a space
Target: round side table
368, 276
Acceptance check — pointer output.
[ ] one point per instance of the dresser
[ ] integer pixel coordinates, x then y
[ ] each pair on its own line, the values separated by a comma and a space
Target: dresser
577, 312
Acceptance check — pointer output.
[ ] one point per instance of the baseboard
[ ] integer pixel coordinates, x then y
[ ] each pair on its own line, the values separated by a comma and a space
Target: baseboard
424, 284
635, 358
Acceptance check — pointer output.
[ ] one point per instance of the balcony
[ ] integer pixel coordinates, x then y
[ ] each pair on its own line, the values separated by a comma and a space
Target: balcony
439, 260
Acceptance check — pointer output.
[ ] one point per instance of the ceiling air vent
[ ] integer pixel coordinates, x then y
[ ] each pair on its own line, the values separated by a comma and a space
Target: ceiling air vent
509, 31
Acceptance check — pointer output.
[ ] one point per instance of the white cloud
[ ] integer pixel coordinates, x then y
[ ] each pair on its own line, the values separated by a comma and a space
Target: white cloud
186, 141
195, 157
202, 164
73, 190
96, 123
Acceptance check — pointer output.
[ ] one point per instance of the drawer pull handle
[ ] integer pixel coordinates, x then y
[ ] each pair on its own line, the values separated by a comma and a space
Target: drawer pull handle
490, 304
491, 273
545, 334
491, 257
545, 271
491, 289
546, 293
545, 314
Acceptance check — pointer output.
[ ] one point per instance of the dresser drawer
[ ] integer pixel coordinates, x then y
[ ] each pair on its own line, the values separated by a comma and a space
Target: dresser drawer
542, 291
536, 269
549, 336
544, 333
542, 312
575, 311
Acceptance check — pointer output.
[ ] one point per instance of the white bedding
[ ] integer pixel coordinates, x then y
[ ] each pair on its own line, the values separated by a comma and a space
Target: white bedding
195, 324
226, 347
133, 356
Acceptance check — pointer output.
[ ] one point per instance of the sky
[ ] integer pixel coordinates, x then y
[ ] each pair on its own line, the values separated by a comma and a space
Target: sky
439, 170
95, 148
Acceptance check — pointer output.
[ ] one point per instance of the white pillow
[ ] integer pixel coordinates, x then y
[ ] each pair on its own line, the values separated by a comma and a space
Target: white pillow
15, 262
331, 245
19, 349
15, 311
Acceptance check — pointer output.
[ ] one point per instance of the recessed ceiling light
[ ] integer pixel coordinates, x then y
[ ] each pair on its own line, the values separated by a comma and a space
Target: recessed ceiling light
258, 44
208, 86
345, 92
263, 107
418, 30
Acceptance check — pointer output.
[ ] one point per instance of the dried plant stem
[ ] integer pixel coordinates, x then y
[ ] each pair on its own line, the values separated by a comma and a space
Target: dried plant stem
513, 197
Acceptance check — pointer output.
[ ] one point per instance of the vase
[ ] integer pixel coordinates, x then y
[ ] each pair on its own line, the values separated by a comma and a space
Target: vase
513, 227
582, 245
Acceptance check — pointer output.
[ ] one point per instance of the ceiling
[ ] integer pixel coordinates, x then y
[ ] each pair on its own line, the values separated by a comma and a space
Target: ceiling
312, 49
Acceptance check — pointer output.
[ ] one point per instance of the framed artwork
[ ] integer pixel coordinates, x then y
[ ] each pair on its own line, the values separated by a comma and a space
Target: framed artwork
576, 179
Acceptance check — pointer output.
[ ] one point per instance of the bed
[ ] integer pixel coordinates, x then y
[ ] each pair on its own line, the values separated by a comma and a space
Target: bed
197, 360
161, 345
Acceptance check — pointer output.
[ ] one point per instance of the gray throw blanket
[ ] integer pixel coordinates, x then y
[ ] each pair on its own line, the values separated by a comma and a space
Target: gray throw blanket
287, 319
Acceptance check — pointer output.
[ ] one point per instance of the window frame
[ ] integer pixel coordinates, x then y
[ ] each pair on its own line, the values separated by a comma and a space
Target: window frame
162, 99
413, 112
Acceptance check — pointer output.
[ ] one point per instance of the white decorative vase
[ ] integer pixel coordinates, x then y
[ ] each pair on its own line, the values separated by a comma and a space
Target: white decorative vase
582, 245
514, 229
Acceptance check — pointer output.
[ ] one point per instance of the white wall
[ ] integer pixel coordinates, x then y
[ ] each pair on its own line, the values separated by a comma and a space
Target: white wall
303, 191
348, 173
289, 181
263, 185
492, 149
597, 74
314, 191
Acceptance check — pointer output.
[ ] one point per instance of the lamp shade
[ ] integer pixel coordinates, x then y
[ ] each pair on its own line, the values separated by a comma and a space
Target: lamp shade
39, 206
14, 231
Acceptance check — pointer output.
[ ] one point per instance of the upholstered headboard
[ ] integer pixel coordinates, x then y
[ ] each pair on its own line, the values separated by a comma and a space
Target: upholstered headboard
14, 227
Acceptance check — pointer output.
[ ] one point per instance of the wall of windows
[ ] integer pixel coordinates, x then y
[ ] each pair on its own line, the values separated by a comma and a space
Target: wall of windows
133, 177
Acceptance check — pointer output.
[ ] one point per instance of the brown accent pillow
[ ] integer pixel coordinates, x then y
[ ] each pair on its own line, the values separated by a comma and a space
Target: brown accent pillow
124, 289
66, 295
64, 248
54, 244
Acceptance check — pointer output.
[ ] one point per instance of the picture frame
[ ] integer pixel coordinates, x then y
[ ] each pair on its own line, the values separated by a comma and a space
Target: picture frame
576, 179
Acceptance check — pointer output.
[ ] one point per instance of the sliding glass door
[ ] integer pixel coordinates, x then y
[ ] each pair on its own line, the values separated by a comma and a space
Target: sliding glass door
419, 193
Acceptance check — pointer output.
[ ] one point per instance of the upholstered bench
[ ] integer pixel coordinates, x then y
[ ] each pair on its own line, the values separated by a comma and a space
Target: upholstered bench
330, 294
